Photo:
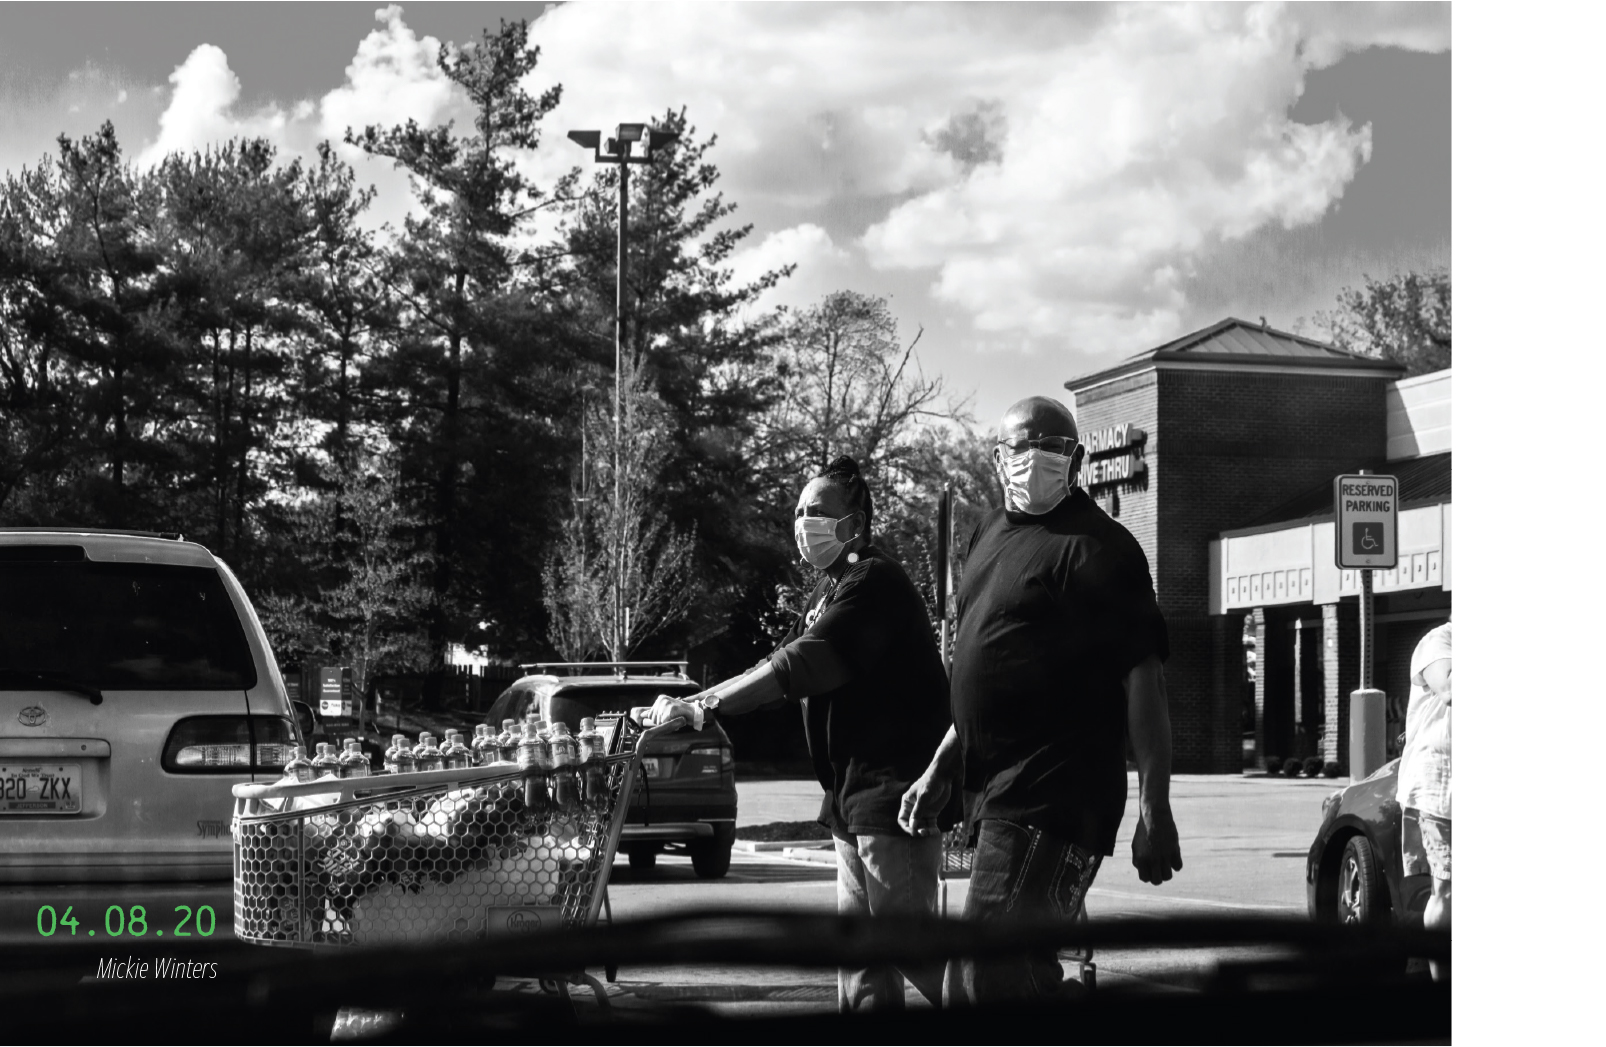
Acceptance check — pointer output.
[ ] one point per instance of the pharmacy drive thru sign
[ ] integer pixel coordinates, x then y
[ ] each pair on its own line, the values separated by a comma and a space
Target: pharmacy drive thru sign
1366, 512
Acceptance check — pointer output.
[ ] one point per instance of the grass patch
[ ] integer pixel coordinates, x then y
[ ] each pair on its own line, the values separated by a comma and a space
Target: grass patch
772, 832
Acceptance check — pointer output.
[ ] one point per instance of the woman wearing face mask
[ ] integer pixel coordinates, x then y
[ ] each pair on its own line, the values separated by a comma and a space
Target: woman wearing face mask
863, 665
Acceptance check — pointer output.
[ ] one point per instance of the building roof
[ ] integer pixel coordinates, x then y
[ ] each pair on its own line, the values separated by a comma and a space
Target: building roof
1236, 342
1423, 481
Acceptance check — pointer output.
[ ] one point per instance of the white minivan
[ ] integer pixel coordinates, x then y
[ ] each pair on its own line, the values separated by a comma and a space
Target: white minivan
136, 687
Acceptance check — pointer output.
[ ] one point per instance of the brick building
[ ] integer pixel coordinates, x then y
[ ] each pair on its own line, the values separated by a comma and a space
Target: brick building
1218, 451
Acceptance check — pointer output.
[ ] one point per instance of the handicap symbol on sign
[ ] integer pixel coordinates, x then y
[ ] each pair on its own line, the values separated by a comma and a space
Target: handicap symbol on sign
1368, 537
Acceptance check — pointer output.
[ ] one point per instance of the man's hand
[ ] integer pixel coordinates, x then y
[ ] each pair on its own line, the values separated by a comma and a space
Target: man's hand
922, 802
667, 708
1155, 850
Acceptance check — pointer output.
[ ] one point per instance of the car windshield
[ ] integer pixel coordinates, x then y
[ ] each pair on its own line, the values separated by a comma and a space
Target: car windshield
124, 626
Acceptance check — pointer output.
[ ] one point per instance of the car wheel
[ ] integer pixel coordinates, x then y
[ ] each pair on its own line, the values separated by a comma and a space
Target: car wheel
1361, 892
643, 857
711, 858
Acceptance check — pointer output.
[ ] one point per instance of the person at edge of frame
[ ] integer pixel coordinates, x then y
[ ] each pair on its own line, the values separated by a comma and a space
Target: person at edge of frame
1056, 664
1423, 785
862, 663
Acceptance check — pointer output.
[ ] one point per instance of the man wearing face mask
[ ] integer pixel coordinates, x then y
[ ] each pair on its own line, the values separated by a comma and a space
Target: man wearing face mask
1057, 663
862, 663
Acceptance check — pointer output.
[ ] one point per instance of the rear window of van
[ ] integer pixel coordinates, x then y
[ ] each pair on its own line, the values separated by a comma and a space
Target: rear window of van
120, 626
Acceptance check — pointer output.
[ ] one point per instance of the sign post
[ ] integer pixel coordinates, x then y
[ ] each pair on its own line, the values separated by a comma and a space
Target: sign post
1366, 514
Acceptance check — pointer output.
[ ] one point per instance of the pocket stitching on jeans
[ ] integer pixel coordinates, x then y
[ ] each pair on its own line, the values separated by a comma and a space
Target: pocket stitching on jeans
1032, 836
1058, 882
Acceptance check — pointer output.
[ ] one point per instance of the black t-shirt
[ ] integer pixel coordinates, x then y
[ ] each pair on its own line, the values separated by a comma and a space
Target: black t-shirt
872, 735
1054, 611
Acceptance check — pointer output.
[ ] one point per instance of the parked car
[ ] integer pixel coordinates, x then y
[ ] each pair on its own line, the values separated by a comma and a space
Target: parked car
1355, 871
687, 799
136, 687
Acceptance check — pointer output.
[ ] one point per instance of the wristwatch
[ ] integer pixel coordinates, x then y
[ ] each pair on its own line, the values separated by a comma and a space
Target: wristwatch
705, 706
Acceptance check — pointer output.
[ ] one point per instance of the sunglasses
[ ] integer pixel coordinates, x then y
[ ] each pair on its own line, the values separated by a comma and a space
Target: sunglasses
1052, 444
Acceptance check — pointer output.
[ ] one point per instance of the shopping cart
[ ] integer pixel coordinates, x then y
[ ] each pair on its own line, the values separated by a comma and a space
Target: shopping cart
959, 858
451, 855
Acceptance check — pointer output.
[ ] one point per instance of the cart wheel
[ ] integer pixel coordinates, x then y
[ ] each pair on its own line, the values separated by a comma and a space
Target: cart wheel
599, 990
1090, 975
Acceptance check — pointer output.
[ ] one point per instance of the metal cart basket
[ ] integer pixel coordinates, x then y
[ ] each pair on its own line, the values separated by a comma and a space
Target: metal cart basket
451, 855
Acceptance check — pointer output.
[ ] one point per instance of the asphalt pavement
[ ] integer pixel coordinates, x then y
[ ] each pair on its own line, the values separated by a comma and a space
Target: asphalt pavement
1244, 841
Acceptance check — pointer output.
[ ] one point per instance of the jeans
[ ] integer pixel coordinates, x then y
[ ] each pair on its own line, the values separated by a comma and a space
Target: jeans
879, 873
1027, 876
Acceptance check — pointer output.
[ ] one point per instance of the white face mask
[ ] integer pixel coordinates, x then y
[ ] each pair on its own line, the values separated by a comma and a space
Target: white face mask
817, 540
1035, 481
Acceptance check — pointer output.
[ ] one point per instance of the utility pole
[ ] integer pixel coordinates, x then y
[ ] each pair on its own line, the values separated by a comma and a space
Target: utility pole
631, 144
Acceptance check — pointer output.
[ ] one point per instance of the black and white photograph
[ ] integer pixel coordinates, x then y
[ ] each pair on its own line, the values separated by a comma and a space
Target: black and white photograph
737, 522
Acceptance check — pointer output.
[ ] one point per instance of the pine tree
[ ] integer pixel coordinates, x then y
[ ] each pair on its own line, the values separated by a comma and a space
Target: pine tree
457, 273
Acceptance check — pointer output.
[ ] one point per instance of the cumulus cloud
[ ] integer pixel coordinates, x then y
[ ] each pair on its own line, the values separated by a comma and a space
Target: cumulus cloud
1058, 170
822, 266
201, 113
1054, 173
392, 79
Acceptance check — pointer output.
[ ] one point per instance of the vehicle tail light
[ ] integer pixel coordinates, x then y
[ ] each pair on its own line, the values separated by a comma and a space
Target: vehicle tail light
724, 754
228, 745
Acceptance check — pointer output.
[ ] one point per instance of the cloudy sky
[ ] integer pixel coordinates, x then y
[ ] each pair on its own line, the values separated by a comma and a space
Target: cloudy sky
1044, 188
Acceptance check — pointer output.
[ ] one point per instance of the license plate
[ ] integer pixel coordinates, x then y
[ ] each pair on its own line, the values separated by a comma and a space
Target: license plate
40, 788
657, 766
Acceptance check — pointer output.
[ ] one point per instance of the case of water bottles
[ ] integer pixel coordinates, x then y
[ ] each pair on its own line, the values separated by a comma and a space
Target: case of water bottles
452, 843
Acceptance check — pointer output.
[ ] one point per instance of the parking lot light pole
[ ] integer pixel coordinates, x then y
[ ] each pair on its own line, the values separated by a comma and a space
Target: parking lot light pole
630, 144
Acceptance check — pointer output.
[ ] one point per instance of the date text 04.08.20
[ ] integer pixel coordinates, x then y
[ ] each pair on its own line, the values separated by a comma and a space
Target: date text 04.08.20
187, 922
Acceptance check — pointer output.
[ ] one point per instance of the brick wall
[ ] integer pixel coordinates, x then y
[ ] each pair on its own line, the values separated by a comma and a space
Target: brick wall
1130, 399
1230, 447
1224, 448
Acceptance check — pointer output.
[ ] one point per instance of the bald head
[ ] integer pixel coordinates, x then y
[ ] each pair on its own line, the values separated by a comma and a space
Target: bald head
1036, 417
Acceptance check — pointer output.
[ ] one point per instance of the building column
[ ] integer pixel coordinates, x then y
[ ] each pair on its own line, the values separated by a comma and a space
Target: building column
1301, 728
1340, 676
1256, 626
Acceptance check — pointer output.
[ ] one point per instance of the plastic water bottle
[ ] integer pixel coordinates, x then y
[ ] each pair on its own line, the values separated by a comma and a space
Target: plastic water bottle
535, 754
354, 762
454, 754
593, 770
589, 740
325, 762
399, 757
299, 767
507, 743
427, 756
484, 746
565, 762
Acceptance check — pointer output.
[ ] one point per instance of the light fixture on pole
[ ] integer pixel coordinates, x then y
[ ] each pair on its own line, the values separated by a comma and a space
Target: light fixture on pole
630, 144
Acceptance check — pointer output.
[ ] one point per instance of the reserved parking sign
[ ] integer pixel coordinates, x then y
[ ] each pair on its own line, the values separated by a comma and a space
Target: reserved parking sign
1366, 515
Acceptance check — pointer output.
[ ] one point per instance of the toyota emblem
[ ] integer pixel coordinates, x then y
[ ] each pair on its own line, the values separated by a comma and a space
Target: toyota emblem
33, 716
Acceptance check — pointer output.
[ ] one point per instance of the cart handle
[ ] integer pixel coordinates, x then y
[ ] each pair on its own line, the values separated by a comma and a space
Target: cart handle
669, 726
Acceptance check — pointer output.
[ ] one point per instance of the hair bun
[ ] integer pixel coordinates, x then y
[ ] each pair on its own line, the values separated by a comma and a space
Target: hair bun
842, 467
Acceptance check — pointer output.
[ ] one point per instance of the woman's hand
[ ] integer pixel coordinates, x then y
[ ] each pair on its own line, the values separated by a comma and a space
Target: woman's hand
667, 708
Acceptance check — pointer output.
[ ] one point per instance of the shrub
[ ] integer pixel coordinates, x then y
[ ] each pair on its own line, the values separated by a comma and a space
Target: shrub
1291, 768
1273, 764
1330, 769
1313, 766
